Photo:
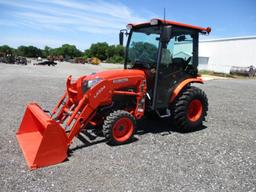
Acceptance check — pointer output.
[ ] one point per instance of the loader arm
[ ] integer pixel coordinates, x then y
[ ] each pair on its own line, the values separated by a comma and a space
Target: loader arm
45, 139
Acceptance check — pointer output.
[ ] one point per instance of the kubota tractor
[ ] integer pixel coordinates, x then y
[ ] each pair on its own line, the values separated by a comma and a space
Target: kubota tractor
161, 62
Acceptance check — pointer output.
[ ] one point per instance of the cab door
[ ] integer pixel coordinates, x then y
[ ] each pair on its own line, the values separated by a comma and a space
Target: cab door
175, 56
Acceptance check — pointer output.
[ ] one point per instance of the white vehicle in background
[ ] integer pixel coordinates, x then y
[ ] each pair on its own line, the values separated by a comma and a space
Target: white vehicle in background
39, 59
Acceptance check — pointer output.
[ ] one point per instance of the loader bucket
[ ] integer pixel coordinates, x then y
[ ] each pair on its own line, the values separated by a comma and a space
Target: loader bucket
42, 140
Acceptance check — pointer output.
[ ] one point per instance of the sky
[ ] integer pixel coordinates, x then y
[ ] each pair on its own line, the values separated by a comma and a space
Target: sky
83, 22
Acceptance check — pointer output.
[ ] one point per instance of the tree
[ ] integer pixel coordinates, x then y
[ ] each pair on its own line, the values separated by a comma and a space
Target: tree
115, 54
5, 49
111, 51
55, 51
29, 51
66, 50
46, 51
99, 50
119, 50
87, 53
70, 50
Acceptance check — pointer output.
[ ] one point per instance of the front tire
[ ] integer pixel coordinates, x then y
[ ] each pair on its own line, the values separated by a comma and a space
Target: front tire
119, 127
190, 109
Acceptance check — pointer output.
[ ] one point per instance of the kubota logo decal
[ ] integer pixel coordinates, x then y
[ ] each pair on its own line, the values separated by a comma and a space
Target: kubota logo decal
99, 91
120, 80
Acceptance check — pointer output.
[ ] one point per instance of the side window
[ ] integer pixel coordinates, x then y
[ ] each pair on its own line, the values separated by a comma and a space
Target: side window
183, 47
179, 49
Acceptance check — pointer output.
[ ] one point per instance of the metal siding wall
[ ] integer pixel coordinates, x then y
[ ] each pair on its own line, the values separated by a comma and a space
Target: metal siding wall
226, 53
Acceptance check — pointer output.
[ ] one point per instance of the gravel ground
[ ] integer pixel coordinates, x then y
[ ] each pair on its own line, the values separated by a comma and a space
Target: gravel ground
221, 157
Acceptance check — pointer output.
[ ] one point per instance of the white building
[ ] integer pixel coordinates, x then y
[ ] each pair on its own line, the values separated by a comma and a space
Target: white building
220, 54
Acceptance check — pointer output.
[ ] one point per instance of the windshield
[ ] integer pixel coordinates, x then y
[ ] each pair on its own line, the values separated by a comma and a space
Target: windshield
143, 47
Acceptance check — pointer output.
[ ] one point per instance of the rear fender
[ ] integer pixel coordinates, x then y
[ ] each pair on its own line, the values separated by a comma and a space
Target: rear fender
183, 84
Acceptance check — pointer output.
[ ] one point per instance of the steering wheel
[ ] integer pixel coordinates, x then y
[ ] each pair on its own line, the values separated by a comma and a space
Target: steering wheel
141, 64
188, 60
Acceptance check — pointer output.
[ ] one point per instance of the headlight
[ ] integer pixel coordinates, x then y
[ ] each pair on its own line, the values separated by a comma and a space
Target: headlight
88, 84
93, 82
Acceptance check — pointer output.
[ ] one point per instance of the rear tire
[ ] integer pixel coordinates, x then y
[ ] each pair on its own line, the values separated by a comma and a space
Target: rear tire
119, 127
190, 109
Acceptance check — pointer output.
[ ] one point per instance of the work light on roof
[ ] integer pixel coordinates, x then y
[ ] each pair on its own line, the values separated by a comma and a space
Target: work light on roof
153, 22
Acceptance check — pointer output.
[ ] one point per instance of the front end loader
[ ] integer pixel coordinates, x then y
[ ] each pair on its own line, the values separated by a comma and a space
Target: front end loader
160, 66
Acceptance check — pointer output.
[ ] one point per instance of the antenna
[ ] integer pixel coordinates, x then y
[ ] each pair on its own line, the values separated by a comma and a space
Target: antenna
164, 15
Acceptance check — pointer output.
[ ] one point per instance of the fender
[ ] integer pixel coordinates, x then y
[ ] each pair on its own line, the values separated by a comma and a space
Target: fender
178, 89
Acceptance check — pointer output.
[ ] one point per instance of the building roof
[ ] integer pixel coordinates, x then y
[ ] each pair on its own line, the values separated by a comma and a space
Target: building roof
229, 39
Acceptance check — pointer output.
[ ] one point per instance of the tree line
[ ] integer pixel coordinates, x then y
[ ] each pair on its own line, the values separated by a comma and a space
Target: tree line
102, 50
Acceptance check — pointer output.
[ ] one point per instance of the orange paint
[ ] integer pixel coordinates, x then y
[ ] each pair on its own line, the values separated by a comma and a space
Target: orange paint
207, 29
178, 89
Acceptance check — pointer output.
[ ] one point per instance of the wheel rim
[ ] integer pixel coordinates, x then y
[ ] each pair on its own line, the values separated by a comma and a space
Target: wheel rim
195, 110
122, 130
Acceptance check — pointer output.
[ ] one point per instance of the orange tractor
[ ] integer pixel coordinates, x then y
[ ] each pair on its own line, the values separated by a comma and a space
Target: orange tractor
161, 62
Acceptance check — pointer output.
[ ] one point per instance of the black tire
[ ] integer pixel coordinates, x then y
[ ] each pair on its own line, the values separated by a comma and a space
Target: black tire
111, 127
181, 109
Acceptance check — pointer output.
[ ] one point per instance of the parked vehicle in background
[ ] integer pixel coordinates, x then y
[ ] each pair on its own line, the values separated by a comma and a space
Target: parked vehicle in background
80, 60
11, 59
245, 71
94, 61
21, 60
49, 63
39, 59
55, 58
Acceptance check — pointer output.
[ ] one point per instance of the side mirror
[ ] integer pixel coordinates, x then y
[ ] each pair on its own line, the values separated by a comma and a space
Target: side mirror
121, 38
166, 34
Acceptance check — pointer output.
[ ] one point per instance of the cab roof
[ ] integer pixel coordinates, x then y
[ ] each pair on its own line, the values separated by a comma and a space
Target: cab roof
157, 21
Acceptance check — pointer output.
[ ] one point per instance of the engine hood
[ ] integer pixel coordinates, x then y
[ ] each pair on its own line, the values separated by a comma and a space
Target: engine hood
117, 74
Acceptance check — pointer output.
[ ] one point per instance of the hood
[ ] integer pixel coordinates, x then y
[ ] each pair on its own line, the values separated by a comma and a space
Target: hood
116, 74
